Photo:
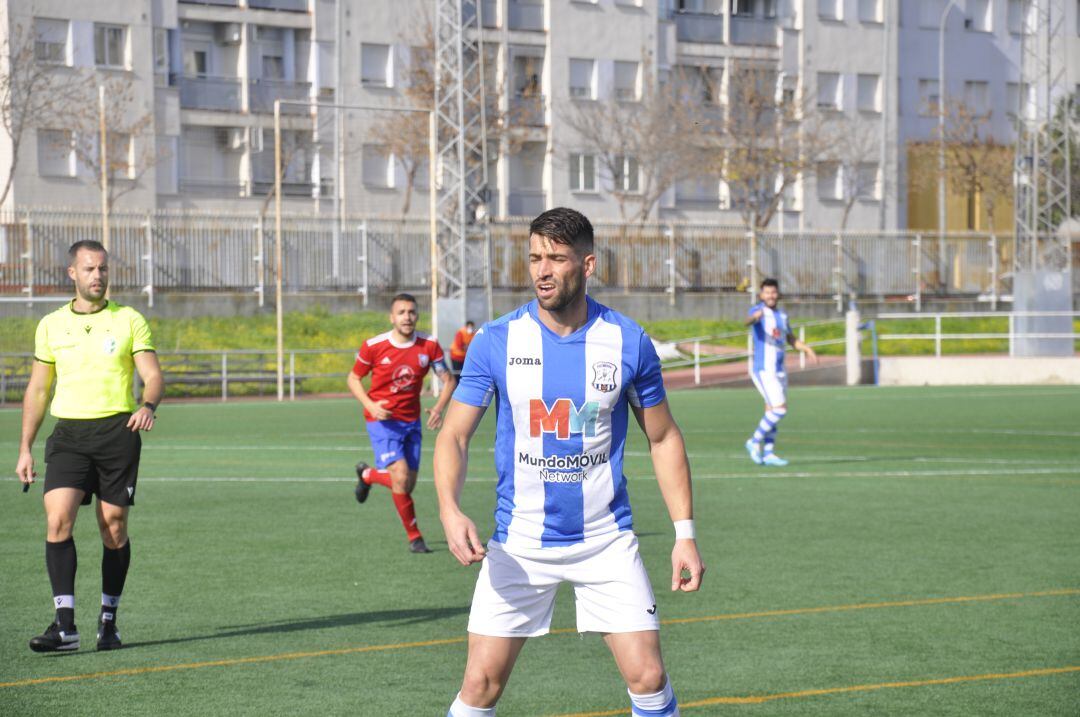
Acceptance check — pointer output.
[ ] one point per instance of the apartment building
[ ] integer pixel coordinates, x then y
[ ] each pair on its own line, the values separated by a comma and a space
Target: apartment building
208, 72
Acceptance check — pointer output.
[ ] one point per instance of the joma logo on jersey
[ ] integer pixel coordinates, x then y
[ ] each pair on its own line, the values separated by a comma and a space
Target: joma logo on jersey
563, 418
523, 361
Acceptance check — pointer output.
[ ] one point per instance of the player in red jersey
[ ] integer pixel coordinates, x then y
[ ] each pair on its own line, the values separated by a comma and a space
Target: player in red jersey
398, 360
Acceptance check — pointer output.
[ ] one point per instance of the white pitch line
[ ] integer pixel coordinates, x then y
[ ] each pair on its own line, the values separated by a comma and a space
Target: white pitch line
762, 473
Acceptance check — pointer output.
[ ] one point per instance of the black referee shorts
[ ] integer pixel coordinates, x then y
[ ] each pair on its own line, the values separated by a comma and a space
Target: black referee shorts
97, 455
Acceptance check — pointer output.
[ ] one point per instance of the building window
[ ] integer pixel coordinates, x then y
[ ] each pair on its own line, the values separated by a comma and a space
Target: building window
867, 181
626, 81
870, 11
273, 67
742, 8
828, 181
928, 97
582, 173
109, 45
1015, 17
830, 91
979, 16
377, 167
56, 153
869, 93
627, 175
583, 79
830, 10
698, 191
376, 66
977, 97
930, 13
51, 41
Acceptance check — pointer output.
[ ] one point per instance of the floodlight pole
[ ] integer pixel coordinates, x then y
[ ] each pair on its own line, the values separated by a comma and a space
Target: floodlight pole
103, 157
278, 171
941, 120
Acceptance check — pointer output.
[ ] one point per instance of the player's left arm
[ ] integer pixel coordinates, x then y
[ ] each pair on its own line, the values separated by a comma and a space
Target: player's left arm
449, 383
672, 469
802, 346
146, 363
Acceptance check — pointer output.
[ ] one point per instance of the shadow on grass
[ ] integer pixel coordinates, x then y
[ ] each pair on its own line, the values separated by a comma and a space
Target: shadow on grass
398, 618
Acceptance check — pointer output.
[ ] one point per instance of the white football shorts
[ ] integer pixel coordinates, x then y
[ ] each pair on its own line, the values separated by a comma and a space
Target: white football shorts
515, 593
772, 386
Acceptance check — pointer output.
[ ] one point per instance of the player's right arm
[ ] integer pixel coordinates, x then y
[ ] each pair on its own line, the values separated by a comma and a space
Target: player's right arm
756, 312
35, 401
361, 368
451, 463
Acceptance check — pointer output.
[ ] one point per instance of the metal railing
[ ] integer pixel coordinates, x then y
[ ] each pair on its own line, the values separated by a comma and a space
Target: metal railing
754, 31
1013, 332
264, 91
184, 251
210, 93
699, 27
287, 5
527, 111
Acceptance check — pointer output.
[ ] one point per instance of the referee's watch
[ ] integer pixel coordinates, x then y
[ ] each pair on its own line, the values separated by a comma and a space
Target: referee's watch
151, 406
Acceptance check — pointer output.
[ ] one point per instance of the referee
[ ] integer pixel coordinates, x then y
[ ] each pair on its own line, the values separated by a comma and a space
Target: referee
92, 346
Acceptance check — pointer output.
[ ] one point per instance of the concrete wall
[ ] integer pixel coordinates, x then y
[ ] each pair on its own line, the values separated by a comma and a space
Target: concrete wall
977, 371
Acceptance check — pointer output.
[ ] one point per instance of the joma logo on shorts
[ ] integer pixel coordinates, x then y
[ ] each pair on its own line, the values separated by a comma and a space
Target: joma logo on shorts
563, 418
523, 361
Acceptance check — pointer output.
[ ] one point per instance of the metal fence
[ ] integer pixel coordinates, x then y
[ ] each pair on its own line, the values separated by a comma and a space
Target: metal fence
189, 252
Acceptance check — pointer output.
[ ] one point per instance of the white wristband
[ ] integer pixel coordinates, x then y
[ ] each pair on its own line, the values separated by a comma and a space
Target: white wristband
684, 530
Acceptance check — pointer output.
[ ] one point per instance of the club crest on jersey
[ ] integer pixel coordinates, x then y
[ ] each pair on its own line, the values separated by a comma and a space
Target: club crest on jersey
403, 378
563, 418
604, 376
109, 345
423, 358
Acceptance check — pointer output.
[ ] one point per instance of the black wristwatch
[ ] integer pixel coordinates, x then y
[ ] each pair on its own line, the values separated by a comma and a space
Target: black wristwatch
152, 407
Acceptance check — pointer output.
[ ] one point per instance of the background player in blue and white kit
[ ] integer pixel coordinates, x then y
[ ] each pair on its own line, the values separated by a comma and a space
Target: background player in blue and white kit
769, 329
565, 373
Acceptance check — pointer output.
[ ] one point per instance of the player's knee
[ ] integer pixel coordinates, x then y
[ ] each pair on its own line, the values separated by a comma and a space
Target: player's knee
113, 536
647, 679
480, 689
58, 527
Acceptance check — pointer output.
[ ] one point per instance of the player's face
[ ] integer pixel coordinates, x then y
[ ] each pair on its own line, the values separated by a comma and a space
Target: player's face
770, 296
90, 272
557, 272
403, 317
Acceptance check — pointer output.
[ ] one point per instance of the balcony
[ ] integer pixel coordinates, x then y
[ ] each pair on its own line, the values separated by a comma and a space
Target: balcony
210, 93
223, 3
754, 31
699, 27
287, 5
211, 187
526, 202
265, 91
527, 111
289, 188
526, 16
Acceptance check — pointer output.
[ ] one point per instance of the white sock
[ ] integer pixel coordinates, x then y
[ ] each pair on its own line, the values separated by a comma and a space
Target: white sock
460, 709
657, 704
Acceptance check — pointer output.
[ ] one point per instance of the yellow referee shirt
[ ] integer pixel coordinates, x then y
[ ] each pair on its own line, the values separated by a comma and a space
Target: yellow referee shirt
93, 358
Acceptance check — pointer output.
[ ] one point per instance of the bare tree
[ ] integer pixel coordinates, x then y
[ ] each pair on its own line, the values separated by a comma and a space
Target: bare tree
132, 150
33, 92
645, 146
856, 158
770, 141
977, 167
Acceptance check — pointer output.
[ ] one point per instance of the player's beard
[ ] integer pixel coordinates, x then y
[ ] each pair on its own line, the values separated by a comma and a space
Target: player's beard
566, 292
90, 293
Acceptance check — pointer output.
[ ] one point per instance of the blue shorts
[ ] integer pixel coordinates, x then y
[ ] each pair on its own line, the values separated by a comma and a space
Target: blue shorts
393, 440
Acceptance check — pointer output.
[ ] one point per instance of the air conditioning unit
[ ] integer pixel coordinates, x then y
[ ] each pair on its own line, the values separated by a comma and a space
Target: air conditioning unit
230, 33
231, 138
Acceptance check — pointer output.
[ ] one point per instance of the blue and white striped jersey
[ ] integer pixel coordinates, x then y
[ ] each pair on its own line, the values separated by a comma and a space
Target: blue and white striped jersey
561, 406
767, 339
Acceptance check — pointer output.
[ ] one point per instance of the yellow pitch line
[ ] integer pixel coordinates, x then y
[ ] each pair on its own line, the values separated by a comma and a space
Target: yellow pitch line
761, 699
559, 631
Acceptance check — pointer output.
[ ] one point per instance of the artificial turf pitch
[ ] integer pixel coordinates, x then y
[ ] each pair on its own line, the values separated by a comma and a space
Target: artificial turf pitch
919, 538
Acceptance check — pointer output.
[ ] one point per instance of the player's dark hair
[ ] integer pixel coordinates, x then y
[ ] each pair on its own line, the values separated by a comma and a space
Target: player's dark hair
565, 226
470, 323
403, 297
771, 282
88, 244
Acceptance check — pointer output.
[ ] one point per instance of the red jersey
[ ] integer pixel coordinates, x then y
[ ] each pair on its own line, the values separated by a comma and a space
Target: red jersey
397, 371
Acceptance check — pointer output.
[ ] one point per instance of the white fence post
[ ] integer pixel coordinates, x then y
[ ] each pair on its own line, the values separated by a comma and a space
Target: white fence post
224, 376
260, 273
937, 335
838, 272
1012, 334
802, 356
669, 234
148, 258
365, 247
28, 261
697, 363
918, 272
292, 375
993, 272
853, 354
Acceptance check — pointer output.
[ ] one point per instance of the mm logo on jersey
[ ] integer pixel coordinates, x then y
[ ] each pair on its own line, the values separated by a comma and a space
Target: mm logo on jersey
562, 418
